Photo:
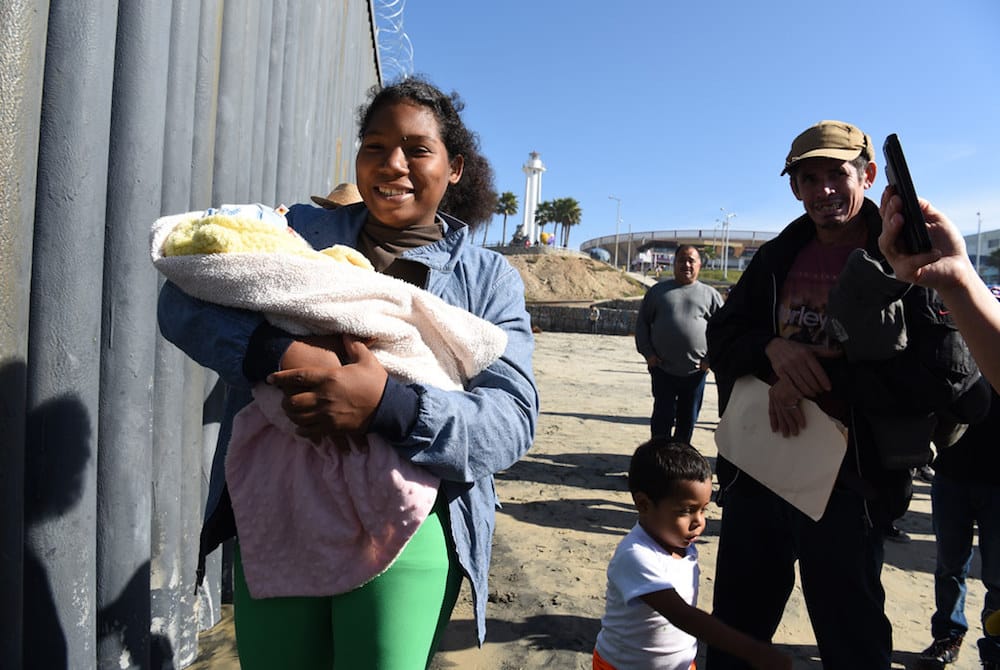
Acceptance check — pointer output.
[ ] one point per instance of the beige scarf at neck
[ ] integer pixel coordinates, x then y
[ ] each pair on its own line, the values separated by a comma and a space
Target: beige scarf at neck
382, 244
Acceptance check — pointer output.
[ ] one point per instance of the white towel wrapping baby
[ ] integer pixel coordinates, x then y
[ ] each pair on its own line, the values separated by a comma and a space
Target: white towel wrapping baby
315, 519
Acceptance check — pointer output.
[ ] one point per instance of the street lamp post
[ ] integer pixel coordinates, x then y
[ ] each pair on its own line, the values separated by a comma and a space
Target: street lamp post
725, 241
618, 223
628, 258
979, 240
715, 244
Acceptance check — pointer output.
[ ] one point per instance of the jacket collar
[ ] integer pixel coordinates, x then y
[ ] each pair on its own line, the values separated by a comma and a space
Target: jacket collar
442, 255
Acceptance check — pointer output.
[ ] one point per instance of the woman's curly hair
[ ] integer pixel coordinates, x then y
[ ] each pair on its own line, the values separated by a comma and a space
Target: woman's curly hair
473, 198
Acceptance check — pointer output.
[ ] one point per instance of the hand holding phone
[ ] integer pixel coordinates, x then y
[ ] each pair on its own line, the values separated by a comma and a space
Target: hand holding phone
913, 234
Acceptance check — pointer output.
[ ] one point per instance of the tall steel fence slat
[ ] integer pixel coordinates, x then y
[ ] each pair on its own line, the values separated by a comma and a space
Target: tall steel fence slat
206, 103
306, 74
22, 51
64, 337
199, 443
128, 337
339, 132
114, 114
172, 569
211, 408
179, 121
285, 187
194, 489
245, 111
259, 104
268, 155
229, 185
319, 76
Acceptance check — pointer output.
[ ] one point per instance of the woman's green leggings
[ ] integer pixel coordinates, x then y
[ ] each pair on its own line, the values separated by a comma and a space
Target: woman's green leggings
393, 622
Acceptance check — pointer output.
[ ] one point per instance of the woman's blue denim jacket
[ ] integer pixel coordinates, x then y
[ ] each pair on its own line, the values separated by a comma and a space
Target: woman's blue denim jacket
463, 437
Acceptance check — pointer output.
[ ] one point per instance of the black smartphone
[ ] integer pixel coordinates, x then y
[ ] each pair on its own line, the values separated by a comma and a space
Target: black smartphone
914, 233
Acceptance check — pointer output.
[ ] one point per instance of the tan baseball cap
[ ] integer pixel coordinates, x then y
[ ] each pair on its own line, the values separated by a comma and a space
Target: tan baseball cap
344, 194
829, 139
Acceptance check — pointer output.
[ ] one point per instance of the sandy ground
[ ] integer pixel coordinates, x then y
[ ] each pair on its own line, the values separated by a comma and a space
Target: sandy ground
566, 505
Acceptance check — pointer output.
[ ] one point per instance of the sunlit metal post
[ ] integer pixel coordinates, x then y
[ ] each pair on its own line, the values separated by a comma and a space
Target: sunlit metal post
715, 246
618, 223
725, 241
628, 257
979, 240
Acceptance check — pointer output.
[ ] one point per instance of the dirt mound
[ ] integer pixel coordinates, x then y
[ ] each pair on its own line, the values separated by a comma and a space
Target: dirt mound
559, 278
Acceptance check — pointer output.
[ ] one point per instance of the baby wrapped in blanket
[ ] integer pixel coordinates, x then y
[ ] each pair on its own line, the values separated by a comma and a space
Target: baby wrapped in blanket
315, 519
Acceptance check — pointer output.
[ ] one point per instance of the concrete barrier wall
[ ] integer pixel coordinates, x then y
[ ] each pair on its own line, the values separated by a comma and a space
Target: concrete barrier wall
572, 319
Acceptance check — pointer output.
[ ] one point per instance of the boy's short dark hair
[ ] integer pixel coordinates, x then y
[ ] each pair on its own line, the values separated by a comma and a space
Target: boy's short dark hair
657, 466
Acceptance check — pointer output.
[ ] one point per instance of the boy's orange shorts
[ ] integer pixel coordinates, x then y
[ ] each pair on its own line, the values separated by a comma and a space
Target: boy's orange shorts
601, 664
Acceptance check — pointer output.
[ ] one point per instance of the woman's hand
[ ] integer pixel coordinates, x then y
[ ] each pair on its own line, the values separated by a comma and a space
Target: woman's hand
327, 398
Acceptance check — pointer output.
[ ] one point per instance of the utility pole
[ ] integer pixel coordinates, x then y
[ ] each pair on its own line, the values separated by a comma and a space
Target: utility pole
715, 244
628, 258
979, 240
725, 240
618, 223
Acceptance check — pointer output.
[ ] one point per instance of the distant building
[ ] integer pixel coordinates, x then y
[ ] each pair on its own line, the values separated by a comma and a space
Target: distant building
653, 257
984, 245
656, 248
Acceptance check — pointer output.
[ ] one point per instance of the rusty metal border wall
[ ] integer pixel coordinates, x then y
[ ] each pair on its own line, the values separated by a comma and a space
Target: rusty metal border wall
113, 113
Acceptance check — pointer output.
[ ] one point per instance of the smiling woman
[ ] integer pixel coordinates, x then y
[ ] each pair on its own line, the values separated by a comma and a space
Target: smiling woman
471, 195
403, 166
418, 166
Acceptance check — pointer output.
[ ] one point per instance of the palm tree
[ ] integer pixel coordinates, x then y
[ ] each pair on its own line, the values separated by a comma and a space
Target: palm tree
568, 214
545, 213
506, 206
487, 217
561, 211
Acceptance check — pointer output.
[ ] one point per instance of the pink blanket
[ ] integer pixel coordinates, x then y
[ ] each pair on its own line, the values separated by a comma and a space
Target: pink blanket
314, 520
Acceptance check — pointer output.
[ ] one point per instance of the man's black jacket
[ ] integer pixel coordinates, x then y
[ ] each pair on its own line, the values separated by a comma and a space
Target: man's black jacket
904, 391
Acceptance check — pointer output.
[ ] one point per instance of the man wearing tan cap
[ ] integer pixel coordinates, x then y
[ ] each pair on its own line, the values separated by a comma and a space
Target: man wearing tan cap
344, 194
773, 326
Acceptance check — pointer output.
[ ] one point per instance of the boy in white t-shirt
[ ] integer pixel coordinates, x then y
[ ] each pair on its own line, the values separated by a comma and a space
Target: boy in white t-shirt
651, 620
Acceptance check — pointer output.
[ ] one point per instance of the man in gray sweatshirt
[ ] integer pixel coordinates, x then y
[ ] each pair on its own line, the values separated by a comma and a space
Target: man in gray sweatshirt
670, 334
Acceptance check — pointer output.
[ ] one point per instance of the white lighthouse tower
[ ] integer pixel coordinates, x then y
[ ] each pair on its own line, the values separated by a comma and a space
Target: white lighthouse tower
532, 195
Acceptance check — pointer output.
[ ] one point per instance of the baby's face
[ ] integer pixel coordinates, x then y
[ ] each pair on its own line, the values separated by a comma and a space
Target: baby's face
677, 521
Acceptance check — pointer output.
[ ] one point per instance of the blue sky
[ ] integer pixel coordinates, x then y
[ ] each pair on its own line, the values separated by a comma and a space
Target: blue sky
686, 110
